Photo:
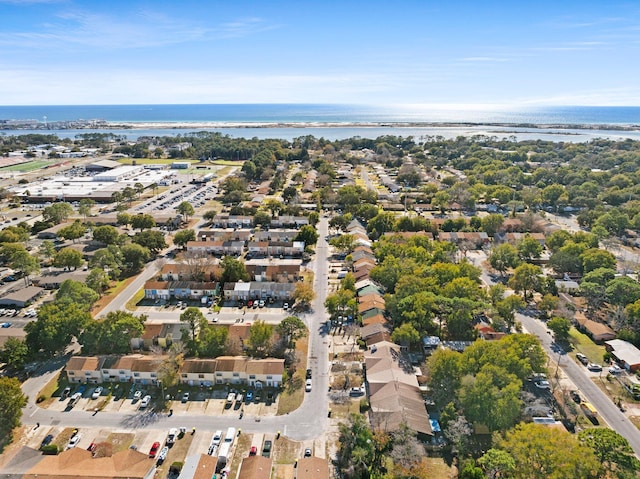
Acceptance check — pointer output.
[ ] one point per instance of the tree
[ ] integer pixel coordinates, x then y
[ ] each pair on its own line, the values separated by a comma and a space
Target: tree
357, 447
339, 303
123, 219
47, 249
405, 334
274, 206
57, 324
169, 368
289, 193
622, 291
548, 303
111, 334
291, 329
12, 401
526, 278
85, 206
68, 258
233, 270
612, 451
529, 249
507, 307
21, 260
560, 327
14, 352
497, 463
134, 257
209, 215
196, 321
142, 221
597, 258
181, 238
261, 218
77, 293
503, 257
303, 294
139, 188
212, 341
383, 222
57, 212
106, 234
259, 341
153, 240
308, 234
73, 231
344, 243
541, 452
186, 210
492, 223
98, 280
108, 259
444, 375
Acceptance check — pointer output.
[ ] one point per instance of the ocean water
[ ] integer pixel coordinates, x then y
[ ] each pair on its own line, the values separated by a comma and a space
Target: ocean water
346, 120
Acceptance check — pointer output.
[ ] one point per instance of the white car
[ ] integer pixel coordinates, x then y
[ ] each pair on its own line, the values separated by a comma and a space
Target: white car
307, 386
615, 369
543, 384
137, 395
96, 392
145, 401
163, 454
594, 367
285, 306
74, 441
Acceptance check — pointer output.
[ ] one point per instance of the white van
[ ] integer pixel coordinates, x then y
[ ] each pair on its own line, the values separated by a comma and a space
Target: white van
230, 436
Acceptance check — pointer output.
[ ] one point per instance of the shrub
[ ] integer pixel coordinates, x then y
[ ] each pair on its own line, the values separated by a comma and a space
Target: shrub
364, 405
50, 450
176, 467
41, 398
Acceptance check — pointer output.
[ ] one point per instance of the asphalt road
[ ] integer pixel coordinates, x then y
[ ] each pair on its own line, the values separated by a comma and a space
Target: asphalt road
309, 421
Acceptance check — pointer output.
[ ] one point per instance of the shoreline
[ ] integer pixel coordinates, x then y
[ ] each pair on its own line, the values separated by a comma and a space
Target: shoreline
184, 125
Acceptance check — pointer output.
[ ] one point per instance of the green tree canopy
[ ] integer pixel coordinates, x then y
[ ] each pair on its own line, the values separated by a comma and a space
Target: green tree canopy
259, 341
612, 451
68, 258
12, 401
112, 334
152, 240
233, 270
75, 292
181, 238
106, 234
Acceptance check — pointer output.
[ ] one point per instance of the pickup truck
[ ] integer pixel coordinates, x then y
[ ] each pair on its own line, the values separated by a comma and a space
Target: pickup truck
266, 448
171, 437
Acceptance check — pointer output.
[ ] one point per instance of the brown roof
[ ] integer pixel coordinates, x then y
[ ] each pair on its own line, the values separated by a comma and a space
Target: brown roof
255, 467
156, 285
597, 330
84, 363
206, 467
77, 463
23, 295
367, 305
152, 330
265, 366
312, 468
147, 364
126, 362
198, 366
371, 297
377, 319
239, 331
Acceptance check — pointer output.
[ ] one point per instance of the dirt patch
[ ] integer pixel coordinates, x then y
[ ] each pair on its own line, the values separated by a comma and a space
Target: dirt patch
284, 471
242, 450
120, 441
292, 395
285, 451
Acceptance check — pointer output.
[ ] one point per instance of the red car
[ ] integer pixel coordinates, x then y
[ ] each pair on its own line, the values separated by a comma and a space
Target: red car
253, 451
92, 447
249, 303
154, 449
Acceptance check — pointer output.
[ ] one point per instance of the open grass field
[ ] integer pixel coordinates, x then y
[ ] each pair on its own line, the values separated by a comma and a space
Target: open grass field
293, 394
29, 166
583, 344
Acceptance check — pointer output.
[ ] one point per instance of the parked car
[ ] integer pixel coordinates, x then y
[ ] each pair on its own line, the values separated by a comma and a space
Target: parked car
355, 392
5, 325
163, 454
594, 367
249, 396
266, 448
145, 401
92, 447
307, 386
307, 452
615, 369
47, 440
308, 376
96, 392
249, 303
543, 384
154, 449
582, 358
253, 451
261, 303
73, 442
575, 395
185, 397
137, 395
285, 306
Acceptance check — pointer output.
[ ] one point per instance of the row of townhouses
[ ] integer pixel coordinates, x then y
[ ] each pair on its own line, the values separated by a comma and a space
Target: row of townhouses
141, 369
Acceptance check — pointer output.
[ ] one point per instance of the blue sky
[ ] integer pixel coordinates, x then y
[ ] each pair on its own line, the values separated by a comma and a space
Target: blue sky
448, 53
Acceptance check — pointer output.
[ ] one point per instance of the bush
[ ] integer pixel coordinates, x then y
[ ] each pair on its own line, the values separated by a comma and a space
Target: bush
364, 405
50, 450
176, 467
41, 398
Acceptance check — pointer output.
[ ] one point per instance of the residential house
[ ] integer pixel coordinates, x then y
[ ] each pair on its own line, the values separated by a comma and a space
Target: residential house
374, 317
21, 297
279, 273
252, 372
256, 467
375, 333
54, 279
515, 238
190, 272
285, 248
83, 369
232, 221
154, 334
198, 372
312, 468
474, 238
241, 291
224, 235
199, 466
216, 248
599, 332
624, 353
77, 462
394, 394
275, 235
165, 290
288, 221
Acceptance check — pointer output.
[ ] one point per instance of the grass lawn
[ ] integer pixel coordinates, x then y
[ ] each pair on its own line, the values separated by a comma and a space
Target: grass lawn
242, 450
150, 161
120, 440
227, 162
28, 166
293, 394
438, 468
177, 453
132, 304
111, 293
583, 344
